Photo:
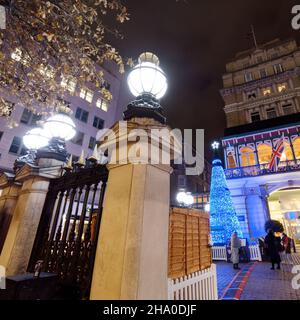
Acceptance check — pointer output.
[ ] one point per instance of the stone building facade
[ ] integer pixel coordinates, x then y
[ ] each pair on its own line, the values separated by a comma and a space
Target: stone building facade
261, 92
91, 113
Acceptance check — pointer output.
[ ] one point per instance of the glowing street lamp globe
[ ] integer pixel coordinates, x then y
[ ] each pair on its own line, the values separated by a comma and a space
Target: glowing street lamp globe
181, 196
35, 139
147, 77
189, 200
60, 126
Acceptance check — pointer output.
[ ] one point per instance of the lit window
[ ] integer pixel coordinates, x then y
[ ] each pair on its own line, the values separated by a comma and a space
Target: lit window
69, 84
287, 154
102, 104
248, 76
264, 153
267, 91
86, 94
296, 145
231, 160
281, 87
247, 157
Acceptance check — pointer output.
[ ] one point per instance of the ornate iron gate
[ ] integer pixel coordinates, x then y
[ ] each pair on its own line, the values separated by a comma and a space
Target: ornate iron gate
68, 232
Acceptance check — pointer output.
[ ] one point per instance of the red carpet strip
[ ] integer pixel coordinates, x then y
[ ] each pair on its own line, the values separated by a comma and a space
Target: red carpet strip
237, 285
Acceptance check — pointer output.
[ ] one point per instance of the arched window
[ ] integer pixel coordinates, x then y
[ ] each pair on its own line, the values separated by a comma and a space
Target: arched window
247, 157
287, 154
296, 145
231, 160
264, 153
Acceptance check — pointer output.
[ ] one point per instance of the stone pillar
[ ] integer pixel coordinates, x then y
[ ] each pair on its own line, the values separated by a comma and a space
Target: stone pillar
8, 199
26, 216
132, 252
257, 211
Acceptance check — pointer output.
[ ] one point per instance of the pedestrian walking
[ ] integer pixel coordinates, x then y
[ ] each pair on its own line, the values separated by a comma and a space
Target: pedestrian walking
235, 250
273, 247
287, 244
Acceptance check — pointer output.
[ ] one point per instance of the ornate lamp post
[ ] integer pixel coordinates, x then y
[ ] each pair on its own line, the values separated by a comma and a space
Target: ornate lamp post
49, 140
60, 128
148, 83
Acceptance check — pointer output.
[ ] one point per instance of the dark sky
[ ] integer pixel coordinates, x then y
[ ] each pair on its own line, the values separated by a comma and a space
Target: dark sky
194, 39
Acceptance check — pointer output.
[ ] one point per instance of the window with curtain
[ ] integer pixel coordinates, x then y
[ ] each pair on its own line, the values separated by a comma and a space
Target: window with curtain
296, 145
264, 153
247, 156
231, 160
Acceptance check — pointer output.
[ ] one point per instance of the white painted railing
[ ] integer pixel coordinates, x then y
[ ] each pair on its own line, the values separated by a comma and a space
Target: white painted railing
201, 285
255, 254
219, 253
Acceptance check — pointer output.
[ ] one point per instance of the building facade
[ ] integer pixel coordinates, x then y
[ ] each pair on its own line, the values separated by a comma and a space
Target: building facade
91, 113
197, 185
261, 92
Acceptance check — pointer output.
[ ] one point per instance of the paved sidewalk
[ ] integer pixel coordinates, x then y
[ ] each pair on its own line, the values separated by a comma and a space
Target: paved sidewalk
256, 281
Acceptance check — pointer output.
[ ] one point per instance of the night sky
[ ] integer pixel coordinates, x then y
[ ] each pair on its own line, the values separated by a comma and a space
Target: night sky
194, 39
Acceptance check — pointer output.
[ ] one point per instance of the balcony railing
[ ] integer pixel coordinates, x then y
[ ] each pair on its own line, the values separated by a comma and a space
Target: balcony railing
263, 169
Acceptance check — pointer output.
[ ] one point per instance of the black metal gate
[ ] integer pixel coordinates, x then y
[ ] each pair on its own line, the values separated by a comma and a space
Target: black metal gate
67, 236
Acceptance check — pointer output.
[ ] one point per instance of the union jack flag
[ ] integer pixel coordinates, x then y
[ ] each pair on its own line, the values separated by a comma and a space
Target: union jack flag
276, 155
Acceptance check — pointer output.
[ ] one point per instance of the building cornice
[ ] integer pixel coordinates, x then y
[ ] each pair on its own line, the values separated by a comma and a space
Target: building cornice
264, 100
260, 83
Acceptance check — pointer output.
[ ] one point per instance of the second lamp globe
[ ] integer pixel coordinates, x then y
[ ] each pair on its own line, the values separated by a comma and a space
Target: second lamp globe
147, 77
60, 126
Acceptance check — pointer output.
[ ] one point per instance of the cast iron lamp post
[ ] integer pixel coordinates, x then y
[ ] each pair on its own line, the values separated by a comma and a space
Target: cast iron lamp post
148, 83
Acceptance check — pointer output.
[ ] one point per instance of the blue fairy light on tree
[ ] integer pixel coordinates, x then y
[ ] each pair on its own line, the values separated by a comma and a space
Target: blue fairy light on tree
223, 218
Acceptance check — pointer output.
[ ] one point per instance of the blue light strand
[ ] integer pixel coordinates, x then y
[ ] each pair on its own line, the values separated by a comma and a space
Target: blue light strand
223, 218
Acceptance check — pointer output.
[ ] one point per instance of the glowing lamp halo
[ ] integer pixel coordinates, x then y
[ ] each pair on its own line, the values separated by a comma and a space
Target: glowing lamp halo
60, 126
35, 139
181, 197
147, 77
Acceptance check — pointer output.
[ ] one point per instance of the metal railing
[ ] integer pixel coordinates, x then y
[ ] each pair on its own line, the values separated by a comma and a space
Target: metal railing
263, 169
220, 253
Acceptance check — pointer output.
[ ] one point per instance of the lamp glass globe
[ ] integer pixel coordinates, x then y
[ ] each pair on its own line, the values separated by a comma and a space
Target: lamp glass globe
147, 77
60, 126
181, 197
35, 139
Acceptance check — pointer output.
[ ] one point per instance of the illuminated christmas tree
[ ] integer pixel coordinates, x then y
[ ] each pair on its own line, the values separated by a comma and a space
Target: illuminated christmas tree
223, 218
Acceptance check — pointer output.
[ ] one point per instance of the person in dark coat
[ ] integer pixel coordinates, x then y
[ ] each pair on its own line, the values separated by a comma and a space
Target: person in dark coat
287, 243
273, 245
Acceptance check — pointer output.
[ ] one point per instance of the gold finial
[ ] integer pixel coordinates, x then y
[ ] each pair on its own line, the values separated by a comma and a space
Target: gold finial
69, 165
94, 157
81, 160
